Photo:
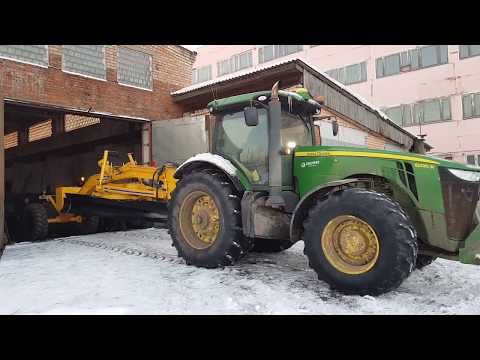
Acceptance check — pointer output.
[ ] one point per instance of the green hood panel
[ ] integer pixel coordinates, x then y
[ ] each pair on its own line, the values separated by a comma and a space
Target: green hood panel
313, 151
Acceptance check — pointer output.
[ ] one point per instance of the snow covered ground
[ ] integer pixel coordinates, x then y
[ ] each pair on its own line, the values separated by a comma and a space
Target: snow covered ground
138, 272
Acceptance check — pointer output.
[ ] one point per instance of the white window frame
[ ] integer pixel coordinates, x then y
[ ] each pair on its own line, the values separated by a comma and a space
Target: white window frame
408, 66
472, 100
476, 158
196, 70
276, 51
28, 62
469, 51
150, 57
83, 75
342, 73
233, 61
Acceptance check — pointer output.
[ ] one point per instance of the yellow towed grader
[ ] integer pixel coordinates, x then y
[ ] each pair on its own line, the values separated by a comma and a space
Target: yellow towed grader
127, 191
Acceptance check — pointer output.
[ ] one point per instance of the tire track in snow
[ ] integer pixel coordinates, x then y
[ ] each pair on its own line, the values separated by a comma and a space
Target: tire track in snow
125, 250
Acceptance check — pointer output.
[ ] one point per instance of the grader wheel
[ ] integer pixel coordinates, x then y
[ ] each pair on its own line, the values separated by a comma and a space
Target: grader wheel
35, 222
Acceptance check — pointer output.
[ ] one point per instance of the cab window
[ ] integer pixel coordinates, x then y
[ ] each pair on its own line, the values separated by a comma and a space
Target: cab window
246, 146
294, 132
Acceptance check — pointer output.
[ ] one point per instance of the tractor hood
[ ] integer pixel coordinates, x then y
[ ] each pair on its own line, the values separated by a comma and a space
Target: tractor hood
380, 154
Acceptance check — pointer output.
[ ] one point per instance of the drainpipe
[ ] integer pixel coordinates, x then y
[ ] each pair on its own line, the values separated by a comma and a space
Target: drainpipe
275, 198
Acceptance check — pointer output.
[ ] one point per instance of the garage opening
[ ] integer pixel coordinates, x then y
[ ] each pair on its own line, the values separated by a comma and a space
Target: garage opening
46, 147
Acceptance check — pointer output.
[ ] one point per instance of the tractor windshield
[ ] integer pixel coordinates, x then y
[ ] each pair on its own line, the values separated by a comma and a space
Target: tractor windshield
247, 146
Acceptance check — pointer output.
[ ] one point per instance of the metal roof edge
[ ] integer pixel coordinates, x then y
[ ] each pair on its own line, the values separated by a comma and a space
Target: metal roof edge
305, 65
73, 110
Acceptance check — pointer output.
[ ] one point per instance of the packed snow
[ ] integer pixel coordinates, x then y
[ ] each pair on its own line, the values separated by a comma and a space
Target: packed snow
138, 272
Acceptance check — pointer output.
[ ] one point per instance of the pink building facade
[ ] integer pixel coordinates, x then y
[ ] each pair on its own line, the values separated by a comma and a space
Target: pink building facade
431, 90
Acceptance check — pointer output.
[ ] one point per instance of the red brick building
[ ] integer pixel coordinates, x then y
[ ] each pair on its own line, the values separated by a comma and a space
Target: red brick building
64, 104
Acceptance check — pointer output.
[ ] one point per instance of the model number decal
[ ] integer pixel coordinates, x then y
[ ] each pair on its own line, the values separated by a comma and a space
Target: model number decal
426, 166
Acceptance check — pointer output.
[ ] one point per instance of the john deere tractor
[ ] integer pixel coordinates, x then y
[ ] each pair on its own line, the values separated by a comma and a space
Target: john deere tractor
368, 218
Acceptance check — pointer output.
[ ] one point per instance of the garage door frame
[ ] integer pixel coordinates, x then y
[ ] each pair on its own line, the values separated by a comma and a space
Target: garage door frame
146, 151
3, 239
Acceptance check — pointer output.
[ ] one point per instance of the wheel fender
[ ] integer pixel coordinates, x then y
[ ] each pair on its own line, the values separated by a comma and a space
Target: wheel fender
301, 210
213, 161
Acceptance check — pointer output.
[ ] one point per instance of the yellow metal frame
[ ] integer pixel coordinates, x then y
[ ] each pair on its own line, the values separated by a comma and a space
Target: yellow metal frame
127, 182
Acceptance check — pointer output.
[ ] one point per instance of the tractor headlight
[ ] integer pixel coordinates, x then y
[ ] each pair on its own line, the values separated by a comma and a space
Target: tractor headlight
472, 176
292, 144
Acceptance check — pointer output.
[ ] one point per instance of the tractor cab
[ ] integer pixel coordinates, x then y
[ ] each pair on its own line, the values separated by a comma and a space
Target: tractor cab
253, 129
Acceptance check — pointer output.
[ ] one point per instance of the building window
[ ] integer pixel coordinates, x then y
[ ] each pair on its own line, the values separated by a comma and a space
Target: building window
270, 52
74, 122
351, 74
31, 54
432, 110
467, 51
391, 64
134, 68
202, 74
40, 131
471, 106
422, 112
86, 60
235, 63
413, 59
11, 140
472, 159
400, 115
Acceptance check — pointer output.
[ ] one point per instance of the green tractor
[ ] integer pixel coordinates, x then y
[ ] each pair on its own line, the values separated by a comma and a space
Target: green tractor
368, 218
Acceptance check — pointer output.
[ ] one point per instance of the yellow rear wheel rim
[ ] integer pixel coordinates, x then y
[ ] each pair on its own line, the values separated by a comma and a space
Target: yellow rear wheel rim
199, 220
350, 245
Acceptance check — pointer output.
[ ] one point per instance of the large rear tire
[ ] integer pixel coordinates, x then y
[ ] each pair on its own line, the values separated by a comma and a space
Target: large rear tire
271, 245
205, 221
35, 222
360, 242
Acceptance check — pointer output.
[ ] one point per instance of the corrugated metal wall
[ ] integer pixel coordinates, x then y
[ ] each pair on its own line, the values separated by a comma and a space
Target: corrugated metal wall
340, 103
178, 139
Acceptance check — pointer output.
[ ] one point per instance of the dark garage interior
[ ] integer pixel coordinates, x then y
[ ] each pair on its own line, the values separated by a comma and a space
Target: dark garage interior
47, 147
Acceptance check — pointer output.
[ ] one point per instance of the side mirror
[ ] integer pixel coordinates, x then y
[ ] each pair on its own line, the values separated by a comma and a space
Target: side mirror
335, 127
251, 116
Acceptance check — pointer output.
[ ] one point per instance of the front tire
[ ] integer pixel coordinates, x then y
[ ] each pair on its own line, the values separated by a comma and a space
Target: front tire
205, 221
360, 242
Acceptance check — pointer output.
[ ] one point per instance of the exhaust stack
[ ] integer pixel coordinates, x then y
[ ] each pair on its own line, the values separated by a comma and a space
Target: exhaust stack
275, 198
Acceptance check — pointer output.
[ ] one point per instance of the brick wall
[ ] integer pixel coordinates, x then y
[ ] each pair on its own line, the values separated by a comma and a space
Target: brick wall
172, 70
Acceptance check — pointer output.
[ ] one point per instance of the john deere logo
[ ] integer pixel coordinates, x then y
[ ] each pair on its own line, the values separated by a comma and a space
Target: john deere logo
309, 163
